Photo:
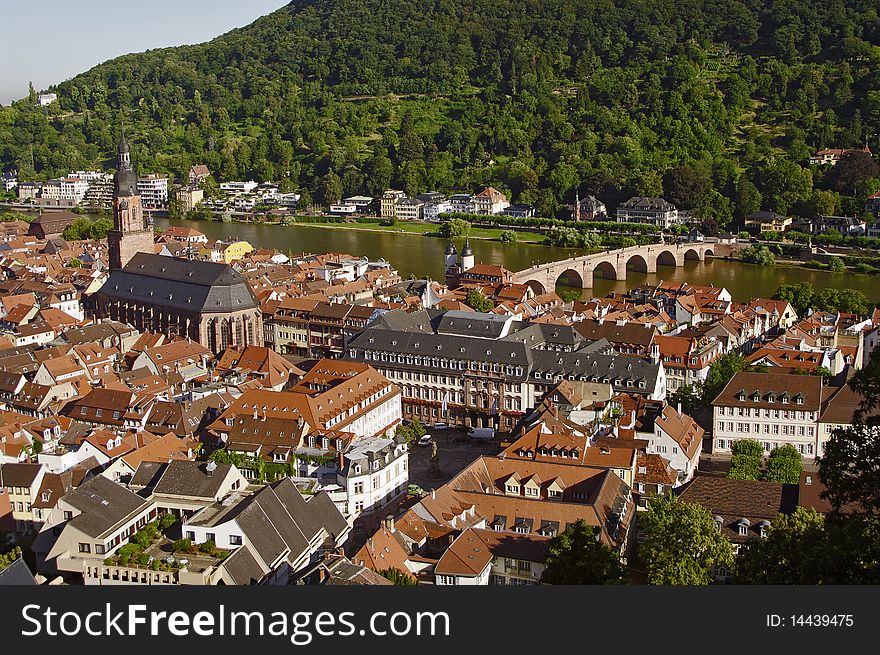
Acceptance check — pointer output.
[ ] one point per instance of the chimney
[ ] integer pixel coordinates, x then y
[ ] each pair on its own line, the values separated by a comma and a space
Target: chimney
679, 408
389, 523
433, 494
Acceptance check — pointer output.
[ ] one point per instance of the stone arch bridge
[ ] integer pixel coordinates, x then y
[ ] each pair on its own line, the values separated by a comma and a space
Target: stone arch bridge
578, 272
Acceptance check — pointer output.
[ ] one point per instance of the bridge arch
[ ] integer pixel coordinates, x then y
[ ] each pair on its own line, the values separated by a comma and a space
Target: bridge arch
570, 278
692, 254
666, 258
637, 263
536, 286
606, 270
708, 252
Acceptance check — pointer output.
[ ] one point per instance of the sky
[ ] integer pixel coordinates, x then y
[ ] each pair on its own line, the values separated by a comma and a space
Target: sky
49, 41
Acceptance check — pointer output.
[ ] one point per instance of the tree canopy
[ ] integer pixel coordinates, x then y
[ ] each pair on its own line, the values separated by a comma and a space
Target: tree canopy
715, 103
577, 557
683, 545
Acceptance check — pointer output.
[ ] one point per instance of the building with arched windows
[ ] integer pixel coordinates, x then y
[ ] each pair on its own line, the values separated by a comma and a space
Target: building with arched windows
208, 302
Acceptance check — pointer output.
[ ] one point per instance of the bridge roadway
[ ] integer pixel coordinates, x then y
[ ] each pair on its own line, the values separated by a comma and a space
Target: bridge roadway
578, 272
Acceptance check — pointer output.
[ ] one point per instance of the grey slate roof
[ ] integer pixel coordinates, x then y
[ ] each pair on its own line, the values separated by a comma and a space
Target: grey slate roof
192, 286
147, 475
535, 335
17, 574
473, 324
186, 478
243, 567
440, 346
103, 504
590, 360
648, 204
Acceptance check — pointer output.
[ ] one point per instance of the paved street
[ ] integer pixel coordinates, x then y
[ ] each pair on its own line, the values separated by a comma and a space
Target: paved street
453, 458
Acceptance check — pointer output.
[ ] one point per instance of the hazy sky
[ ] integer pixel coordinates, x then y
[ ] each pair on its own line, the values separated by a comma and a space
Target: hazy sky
49, 41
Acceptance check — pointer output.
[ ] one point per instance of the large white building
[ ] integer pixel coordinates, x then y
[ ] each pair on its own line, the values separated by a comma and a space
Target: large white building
154, 191
490, 201
653, 211
238, 187
773, 409
374, 476
73, 189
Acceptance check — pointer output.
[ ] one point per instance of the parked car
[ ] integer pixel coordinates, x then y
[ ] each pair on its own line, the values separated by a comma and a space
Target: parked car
441, 426
426, 440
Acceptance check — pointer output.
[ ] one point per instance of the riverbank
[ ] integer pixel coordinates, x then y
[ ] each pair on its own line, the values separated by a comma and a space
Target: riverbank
404, 228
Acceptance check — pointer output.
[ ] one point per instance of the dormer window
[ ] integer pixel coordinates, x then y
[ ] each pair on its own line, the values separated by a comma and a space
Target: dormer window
743, 527
718, 522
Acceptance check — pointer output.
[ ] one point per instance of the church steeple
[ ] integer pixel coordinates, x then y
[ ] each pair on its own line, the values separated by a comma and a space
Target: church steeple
124, 152
132, 231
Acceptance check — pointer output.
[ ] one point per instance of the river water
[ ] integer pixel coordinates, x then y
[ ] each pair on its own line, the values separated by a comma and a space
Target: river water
424, 256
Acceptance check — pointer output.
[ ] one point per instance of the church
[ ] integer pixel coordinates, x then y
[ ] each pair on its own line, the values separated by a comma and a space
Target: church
208, 302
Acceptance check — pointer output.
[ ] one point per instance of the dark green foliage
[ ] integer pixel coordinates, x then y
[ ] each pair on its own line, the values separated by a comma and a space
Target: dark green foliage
398, 577
688, 395
569, 295
9, 557
795, 551
577, 557
720, 373
412, 432
477, 301
83, 228
758, 254
616, 99
183, 546
836, 265
454, 228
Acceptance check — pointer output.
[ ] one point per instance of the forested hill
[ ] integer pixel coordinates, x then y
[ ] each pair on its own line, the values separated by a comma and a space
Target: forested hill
715, 104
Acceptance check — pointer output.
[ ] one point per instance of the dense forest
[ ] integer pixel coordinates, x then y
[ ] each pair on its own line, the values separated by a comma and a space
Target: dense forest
714, 104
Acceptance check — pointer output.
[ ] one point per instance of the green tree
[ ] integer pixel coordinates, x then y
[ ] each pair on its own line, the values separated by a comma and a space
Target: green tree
800, 295
478, 302
508, 236
9, 557
455, 228
331, 189
836, 265
720, 373
758, 254
825, 203
682, 545
850, 465
785, 465
75, 262
689, 396
569, 295
748, 198
748, 456
398, 577
412, 432
796, 550
577, 556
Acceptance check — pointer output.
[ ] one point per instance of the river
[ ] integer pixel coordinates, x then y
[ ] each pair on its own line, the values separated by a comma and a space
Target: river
420, 256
